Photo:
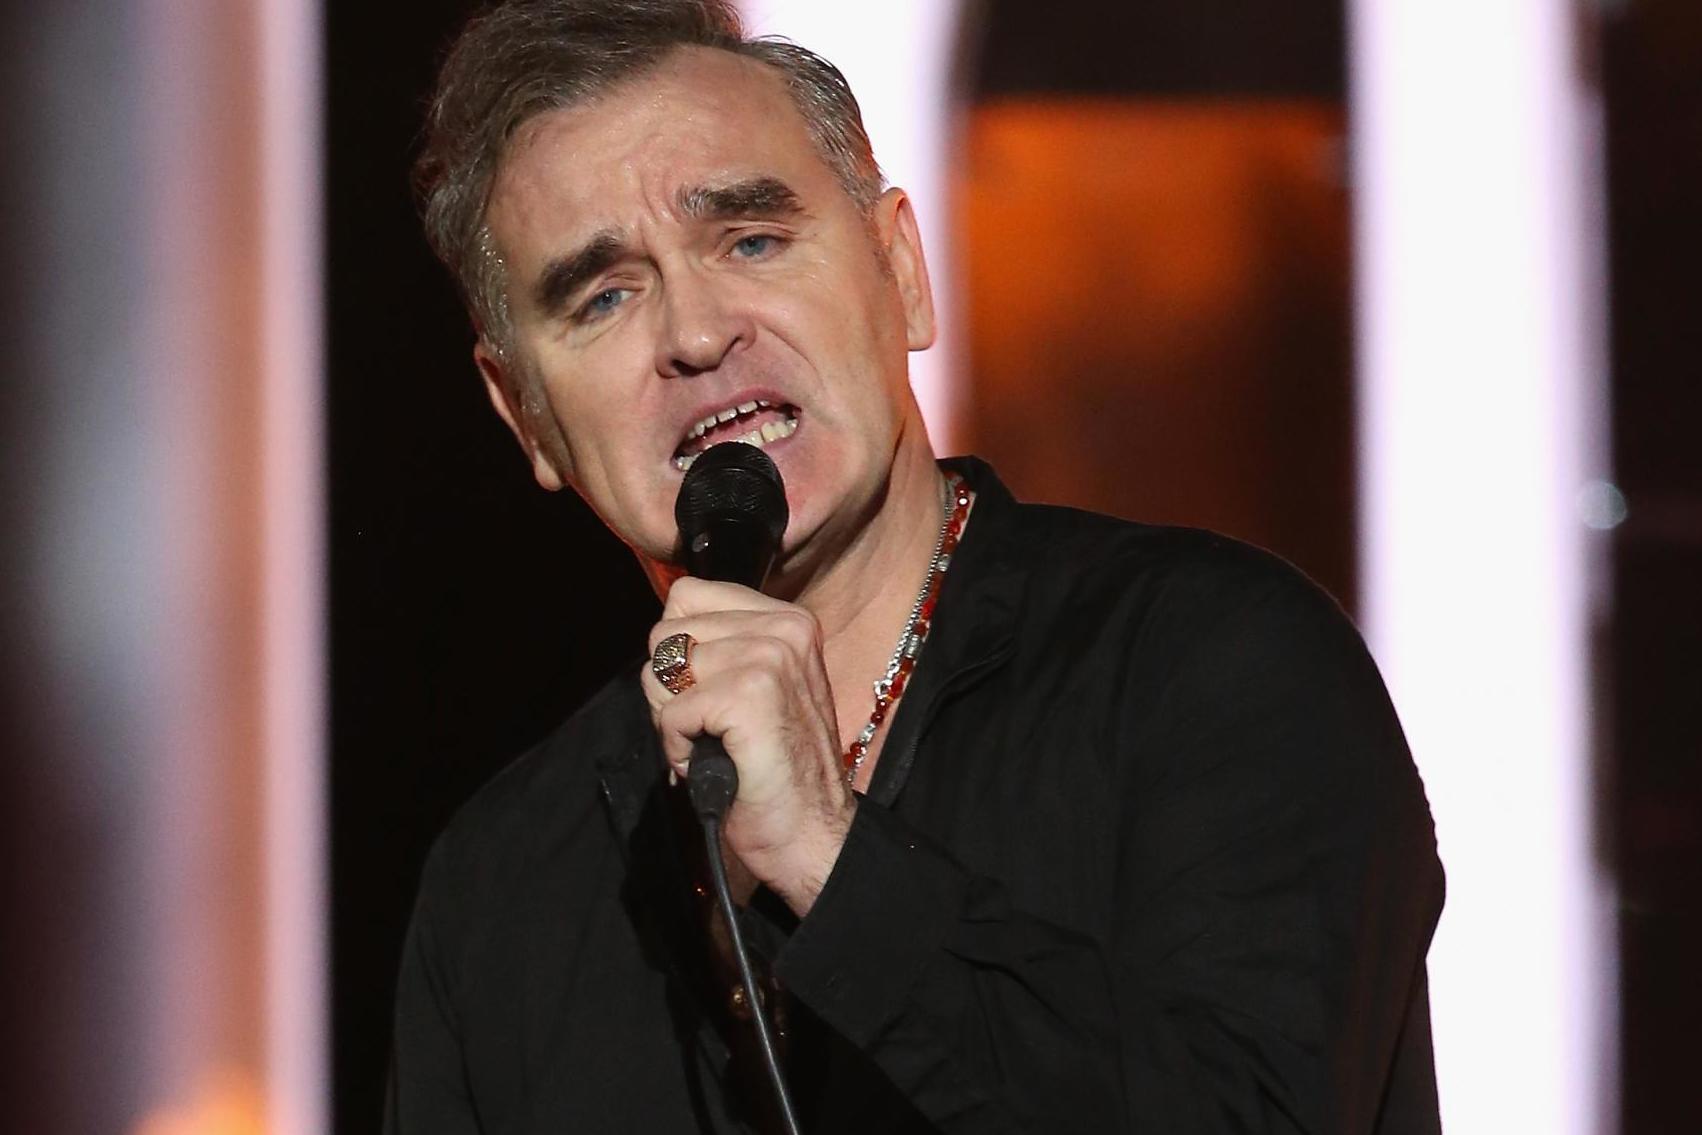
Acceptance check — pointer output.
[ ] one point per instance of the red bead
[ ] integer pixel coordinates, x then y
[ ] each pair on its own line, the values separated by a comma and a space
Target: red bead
918, 629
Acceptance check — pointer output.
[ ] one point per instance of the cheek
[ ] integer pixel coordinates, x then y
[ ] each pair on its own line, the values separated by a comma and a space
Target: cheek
636, 508
842, 332
592, 400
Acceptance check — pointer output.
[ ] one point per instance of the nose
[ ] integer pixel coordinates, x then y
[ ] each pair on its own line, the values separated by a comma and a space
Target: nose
701, 325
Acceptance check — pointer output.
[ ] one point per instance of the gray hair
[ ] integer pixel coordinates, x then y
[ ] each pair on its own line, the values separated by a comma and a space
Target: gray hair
526, 57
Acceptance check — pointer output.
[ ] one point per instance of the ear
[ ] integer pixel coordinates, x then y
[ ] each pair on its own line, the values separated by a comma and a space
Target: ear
896, 221
500, 388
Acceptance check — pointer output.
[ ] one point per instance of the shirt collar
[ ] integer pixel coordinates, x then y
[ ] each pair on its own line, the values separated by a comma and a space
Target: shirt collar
974, 623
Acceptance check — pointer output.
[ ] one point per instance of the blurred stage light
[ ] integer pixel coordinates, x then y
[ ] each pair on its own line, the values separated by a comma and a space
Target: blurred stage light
180, 535
1602, 506
1481, 389
294, 616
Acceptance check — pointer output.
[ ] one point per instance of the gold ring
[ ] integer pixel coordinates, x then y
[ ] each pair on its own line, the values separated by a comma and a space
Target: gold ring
672, 662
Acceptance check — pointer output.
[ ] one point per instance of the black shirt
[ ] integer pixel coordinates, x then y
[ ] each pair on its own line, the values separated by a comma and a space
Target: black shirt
1144, 852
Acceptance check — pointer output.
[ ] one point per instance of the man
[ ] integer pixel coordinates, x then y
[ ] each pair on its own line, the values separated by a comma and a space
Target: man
1124, 838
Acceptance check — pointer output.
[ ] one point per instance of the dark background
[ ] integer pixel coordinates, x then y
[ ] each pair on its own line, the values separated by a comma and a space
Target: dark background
1651, 656
471, 611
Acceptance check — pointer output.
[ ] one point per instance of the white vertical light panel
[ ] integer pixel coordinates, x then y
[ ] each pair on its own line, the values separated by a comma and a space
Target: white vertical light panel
293, 572
1480, 391
897, 56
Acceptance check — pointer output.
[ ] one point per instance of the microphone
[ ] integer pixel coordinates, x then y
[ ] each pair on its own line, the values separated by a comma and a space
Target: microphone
731, 512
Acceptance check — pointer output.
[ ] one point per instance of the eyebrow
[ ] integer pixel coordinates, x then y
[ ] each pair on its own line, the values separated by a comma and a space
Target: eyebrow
753, 197
565, 275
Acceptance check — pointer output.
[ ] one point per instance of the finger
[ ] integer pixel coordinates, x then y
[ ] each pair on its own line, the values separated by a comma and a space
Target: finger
724, 639
757, 711
720, 660
784, 621
708, 626
739, 708
691, 596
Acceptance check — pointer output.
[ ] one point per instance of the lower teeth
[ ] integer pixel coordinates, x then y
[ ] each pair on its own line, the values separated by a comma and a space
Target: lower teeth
777, 431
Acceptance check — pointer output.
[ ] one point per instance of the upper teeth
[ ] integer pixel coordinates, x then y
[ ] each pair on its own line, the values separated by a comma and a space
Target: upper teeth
767, 432
727, 415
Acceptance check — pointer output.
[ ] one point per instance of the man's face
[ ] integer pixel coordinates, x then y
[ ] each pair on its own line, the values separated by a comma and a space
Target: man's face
684, 269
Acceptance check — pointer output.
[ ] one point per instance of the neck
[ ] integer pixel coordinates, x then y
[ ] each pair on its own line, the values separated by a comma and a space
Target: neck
863, 599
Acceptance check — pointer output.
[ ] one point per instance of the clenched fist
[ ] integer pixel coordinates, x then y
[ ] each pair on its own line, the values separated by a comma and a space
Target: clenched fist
760, 686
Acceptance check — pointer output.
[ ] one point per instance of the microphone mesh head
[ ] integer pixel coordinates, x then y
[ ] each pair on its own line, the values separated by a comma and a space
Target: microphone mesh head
731, 481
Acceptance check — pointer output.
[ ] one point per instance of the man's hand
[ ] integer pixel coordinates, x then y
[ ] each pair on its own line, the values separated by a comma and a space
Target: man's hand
760, 686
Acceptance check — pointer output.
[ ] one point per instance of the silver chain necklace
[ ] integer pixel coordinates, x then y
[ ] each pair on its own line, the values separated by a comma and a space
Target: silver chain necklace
890, 686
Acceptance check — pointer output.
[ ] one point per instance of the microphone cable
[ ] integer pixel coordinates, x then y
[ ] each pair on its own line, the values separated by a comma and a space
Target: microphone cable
712, 790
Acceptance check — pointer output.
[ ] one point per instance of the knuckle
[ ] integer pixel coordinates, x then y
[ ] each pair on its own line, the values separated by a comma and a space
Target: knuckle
660, 631
772, 652
670, 718
675, 605
801, 627
688, 590
756, 681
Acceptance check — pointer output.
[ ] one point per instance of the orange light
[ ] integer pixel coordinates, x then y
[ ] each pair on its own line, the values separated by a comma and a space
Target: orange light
227, 1101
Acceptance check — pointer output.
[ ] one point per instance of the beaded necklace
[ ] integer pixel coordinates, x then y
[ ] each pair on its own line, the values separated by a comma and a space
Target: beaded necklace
891, 684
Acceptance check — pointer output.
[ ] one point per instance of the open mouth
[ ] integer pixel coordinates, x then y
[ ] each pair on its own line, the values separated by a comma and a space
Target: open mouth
758, 423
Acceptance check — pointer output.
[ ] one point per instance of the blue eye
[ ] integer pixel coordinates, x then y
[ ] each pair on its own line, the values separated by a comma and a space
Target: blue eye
754, 245
602, 303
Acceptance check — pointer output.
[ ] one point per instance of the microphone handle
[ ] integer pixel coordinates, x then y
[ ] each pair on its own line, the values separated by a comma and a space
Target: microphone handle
712, 778
735, 549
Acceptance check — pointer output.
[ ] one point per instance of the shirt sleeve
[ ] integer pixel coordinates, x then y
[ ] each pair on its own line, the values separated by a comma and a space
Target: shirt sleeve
1275, 890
